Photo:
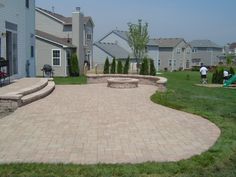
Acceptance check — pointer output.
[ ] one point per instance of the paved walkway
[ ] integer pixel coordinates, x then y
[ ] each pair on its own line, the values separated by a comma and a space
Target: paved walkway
92, 123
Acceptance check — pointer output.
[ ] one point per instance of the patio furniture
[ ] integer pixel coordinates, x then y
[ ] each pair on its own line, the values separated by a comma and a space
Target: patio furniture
4, 71
47, 70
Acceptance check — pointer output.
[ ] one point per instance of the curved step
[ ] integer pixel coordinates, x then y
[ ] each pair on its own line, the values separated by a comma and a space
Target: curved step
38, 95
40, 85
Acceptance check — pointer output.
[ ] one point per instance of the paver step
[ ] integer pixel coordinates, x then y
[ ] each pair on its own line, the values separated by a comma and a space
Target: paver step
40, 85
39, 94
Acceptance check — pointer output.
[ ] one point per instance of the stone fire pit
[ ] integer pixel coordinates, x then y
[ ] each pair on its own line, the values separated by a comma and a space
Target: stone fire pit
122, 83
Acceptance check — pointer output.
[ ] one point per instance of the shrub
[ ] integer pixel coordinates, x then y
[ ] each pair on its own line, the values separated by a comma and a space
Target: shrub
144, 67
231, 71
74, 66
220, 76
119, 67
126, 67
152, 68
106, 66
113, 66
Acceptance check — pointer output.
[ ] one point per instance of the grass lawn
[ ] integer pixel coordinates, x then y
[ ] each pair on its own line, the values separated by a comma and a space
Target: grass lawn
216, 104
70, 80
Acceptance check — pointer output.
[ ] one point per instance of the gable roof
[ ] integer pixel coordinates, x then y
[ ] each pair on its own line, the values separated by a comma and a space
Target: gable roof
64, 42
113, 49
63, 19
204, 44
169, 42
232, 46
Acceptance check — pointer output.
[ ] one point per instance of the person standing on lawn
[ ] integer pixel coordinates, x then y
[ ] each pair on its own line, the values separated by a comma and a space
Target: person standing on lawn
203, 72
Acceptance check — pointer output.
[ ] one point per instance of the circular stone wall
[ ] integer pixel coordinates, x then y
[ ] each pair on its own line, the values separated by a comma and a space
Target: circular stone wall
122, 83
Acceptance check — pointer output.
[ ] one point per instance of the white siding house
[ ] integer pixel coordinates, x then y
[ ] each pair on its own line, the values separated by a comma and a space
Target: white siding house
17, 36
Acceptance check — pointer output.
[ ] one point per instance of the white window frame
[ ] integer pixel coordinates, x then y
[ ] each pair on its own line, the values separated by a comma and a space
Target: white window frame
59, 57
174, 63
89, 34
194, 50
178, 51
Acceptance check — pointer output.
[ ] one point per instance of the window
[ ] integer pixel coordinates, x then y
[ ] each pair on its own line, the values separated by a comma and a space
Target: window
56, 57
188, 51
27, 3
170, 62
178, 51
194, 50
32, 51
159, 62
174, 63
89, 36
209, 49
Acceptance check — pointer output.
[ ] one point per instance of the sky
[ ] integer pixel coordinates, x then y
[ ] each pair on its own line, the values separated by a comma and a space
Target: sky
189, 19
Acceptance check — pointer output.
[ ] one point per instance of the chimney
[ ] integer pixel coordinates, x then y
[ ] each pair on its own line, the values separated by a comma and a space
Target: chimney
77, 9
78, 36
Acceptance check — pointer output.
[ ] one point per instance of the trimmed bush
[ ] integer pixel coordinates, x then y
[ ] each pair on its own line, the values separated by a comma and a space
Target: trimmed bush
113, 66
106, 66
144, 67
218, 76
119, 67
74, 66
126, 67
152, 68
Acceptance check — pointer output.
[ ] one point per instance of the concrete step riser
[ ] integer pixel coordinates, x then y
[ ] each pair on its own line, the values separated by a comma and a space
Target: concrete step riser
38, 95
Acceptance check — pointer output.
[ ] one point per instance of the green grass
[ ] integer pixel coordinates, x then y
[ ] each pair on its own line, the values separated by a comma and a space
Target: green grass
70, 80
216, 104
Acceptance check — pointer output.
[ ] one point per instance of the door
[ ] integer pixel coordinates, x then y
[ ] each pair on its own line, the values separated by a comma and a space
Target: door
11, 52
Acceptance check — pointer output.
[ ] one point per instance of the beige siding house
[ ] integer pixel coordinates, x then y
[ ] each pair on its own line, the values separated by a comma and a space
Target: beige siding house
167, 53
57, 37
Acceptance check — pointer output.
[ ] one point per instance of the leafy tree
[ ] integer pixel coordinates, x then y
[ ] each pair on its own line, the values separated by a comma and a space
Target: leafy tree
231, 71
126, 67
74, 66
144, 67
106, 66
138, 39
119, 67
113, 66
152, 68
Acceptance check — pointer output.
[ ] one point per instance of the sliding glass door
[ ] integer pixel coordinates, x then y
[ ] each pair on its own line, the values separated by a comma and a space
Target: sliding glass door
11, 51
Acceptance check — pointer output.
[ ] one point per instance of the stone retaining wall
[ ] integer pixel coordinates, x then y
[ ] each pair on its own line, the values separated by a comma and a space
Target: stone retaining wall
160, 82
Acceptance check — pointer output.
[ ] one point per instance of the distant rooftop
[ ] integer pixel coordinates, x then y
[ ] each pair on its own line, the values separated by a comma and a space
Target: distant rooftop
66, 42
204, 44
65, 20
113, 49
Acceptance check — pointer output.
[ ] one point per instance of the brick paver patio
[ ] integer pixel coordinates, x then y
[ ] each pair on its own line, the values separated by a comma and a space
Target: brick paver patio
92, 123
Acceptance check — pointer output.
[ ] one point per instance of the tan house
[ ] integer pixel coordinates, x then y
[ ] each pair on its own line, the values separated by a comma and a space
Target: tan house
57, 37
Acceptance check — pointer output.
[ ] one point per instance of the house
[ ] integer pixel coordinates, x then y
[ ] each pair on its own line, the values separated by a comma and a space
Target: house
167, 53
57, 37
173, 53
232, 48
205, 52
17, 36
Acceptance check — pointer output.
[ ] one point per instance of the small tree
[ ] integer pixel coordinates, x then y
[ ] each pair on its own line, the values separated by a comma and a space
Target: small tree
119, 67
229, 59
144, 67
152, 68
220, 77
74, 66
113, 66
138, 39
106, 66
215, 76
231, 71
126, 67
